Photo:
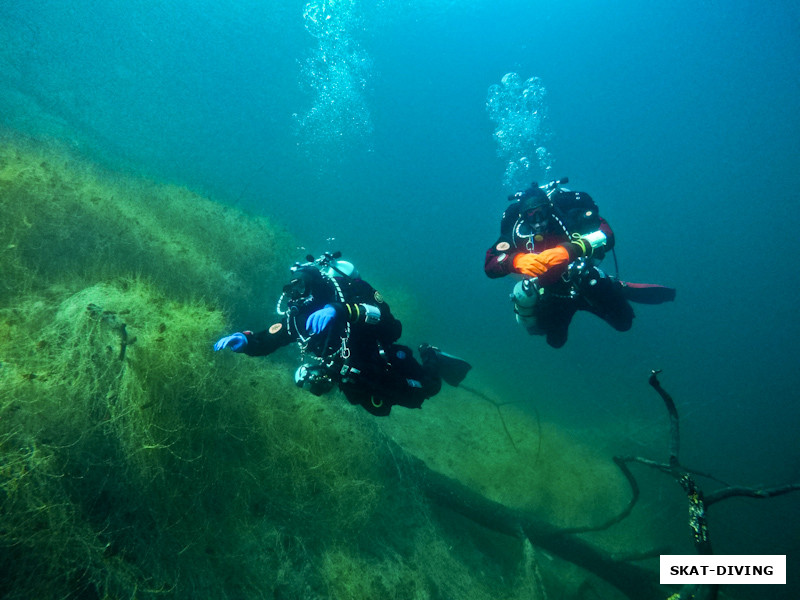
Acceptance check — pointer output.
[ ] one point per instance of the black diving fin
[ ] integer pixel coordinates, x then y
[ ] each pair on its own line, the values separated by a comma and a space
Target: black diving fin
451, 369
647, 293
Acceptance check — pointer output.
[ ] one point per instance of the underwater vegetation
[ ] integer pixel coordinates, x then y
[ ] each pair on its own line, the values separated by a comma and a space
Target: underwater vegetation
67, 222
136, 463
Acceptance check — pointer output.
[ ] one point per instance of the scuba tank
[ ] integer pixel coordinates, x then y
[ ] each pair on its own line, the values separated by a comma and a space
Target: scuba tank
525, 295
339, 268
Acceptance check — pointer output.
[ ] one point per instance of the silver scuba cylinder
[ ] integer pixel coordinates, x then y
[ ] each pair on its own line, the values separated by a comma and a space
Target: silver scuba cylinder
525, 295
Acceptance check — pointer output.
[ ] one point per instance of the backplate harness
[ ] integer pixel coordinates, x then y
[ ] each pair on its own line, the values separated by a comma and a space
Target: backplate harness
578, 268
286, 308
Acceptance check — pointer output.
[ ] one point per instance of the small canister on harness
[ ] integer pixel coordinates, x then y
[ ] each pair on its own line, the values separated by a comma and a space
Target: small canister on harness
314, 379
525, 296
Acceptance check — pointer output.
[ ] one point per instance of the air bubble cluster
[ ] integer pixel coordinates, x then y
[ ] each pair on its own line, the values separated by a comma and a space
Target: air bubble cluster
336, 73
519, 113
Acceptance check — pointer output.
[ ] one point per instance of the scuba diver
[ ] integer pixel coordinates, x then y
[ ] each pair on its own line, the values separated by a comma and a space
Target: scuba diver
347, 336
555, 238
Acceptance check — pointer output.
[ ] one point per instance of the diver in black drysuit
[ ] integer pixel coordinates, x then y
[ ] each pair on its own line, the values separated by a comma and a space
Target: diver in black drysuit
555, 238
348, 336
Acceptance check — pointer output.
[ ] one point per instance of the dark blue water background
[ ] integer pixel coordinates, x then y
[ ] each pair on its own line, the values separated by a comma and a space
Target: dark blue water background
680, 118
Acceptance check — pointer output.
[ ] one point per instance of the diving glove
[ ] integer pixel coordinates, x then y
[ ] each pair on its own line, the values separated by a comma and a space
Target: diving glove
235, 342
534, 265
320, 319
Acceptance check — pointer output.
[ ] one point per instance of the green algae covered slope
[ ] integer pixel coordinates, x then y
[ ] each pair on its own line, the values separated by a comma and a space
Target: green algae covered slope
134, 462
64, 221
137, 463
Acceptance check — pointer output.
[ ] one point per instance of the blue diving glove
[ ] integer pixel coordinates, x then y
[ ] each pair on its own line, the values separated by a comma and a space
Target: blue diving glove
320, 319
236, 342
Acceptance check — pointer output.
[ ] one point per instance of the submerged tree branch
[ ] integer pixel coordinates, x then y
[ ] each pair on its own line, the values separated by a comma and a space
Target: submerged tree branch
635, 582
732, 491
698, 503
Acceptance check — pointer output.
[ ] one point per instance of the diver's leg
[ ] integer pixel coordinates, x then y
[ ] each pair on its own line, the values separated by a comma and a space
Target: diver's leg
553, 316
606, 300
372, 403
